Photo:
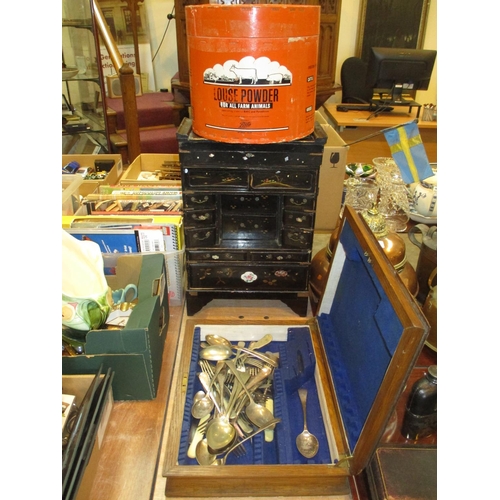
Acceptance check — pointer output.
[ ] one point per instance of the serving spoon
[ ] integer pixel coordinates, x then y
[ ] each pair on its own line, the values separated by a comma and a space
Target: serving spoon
272, 423
205, 457
257, 413
216, 352
204, 405
218, 340
306, 442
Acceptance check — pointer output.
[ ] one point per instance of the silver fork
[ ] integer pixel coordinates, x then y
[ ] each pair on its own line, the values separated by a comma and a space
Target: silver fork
199, 432
255, 362
240, 450
206, 367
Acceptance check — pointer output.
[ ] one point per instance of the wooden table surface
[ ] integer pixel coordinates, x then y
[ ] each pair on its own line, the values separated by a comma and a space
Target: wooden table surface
360, 118
131, 461
130, 467
130, 451
353, 126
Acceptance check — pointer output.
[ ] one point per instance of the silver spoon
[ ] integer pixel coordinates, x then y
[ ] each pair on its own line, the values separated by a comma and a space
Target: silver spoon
218, 340
307, 443
220, 434
258, 414
202, 453
197, 397
271, 423
204, 456
216, 352
205, 405
254, 381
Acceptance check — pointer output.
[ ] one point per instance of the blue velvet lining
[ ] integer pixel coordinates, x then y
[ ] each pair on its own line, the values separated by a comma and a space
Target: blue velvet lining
288, 378
360, 335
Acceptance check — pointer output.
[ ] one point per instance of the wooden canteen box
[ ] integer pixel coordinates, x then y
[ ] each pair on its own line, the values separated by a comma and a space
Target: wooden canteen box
354, 359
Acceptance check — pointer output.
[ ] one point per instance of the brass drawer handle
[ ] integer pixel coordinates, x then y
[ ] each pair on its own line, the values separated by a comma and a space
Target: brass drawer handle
201, 237
201, 217
199, 201
297, 203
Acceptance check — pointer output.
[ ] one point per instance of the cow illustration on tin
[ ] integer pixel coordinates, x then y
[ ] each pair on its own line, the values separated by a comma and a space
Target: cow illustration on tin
248, 71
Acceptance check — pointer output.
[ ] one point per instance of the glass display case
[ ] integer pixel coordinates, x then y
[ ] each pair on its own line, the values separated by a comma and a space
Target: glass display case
84, 128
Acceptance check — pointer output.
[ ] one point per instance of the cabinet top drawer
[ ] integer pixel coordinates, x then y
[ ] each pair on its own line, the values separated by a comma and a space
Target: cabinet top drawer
194, 149
246, 158
275, 179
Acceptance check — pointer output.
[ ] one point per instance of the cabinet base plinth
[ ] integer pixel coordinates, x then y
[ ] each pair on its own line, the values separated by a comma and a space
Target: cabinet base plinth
297, 302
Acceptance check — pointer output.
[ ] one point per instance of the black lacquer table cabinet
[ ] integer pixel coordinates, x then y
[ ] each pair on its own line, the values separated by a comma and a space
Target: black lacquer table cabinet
249, 217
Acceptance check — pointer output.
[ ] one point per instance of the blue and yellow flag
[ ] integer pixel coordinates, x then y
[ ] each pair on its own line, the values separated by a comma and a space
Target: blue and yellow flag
408, 152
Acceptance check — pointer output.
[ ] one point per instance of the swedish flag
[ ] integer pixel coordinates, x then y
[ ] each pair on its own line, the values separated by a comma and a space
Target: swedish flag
408, 152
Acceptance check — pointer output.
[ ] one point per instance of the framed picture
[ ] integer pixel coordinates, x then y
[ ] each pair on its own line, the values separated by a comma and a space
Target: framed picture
391, 23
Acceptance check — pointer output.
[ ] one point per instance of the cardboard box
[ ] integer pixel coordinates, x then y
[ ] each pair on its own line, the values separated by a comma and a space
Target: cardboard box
176, 276
91, 186
331, 178
149, 162
78, 385
134, 352
71, 186
173, 238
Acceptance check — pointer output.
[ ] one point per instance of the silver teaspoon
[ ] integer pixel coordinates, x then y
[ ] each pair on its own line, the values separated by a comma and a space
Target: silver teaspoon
307, 443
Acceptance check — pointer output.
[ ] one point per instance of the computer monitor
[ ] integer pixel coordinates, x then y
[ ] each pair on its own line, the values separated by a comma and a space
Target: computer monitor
396, 71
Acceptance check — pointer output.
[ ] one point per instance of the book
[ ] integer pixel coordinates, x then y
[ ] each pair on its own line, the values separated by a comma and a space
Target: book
109, 241
137, 234
170, 227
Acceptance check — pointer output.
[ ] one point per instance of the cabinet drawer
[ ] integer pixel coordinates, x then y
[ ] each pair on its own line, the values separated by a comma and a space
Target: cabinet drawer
199, 218
282, 256
298, 219
216, 255
197, 178
250, 203
203, 237
198, 200
221, 155
284, 179
196, 150
297, 238
248, 276
298, 201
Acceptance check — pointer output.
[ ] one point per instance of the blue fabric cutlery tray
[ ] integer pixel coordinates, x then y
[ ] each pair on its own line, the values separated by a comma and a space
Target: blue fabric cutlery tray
296, 369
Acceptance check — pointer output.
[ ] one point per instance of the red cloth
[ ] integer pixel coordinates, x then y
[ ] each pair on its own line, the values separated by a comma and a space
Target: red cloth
159, 141
152, 109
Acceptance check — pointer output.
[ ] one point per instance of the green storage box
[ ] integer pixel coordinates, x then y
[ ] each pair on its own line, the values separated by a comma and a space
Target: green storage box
134, 352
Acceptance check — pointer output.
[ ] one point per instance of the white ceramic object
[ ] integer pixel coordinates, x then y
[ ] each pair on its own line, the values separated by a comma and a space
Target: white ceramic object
424, 195
86, 296
68, 73
420, 218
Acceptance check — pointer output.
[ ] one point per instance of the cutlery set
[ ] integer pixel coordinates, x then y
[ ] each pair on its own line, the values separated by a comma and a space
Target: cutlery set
236, 402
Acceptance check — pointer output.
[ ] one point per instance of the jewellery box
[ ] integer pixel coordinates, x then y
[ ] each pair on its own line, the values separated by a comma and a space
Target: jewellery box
353, 358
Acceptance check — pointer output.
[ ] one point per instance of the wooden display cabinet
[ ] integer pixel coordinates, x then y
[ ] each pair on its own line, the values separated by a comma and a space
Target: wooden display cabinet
249, 213
84, 128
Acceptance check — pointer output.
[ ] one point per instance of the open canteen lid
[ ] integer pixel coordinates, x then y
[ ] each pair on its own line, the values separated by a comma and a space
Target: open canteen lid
372, 331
